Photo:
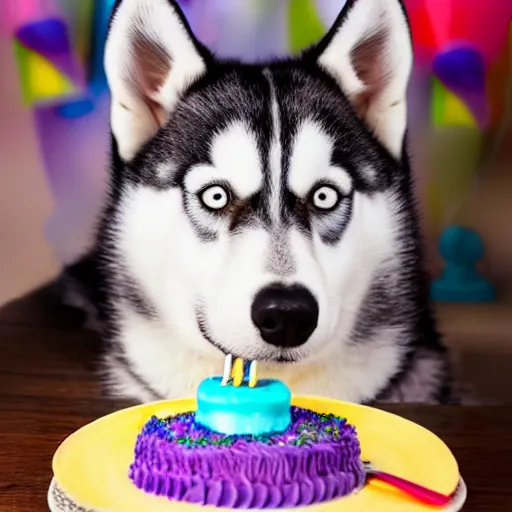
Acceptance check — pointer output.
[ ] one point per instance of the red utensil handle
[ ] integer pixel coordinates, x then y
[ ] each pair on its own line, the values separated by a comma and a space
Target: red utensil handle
419, 492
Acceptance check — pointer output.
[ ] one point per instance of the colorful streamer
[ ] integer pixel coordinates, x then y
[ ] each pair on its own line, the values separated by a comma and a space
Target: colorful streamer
47, 64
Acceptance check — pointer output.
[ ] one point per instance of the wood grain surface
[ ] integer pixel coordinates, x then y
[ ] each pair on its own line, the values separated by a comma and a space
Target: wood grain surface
48, 389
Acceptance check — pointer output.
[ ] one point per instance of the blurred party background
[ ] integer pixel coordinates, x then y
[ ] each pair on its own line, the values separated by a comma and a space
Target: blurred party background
54, 134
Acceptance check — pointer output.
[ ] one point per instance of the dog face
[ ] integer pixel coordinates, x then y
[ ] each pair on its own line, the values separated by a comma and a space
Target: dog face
256, 203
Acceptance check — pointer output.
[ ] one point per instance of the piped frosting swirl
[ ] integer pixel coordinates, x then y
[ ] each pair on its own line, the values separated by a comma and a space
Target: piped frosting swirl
316, 459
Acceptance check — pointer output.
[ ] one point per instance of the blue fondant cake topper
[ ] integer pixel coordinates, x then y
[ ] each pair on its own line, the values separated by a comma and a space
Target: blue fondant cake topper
239, 403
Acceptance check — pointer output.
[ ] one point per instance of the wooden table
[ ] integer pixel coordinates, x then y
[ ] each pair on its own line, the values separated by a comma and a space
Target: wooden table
48, 389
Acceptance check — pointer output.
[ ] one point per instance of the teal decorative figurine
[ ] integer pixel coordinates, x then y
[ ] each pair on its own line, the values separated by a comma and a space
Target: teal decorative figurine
461, 248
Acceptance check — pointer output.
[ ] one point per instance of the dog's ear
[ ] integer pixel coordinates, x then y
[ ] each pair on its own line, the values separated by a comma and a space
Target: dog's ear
369, 53
151, 57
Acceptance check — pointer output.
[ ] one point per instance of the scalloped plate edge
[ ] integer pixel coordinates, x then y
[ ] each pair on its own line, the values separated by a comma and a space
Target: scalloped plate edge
58, 501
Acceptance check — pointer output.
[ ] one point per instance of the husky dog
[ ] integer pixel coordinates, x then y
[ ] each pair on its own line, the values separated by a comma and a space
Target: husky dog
264, 211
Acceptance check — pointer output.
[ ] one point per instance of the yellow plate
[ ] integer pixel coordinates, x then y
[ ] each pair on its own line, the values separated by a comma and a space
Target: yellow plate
91, 465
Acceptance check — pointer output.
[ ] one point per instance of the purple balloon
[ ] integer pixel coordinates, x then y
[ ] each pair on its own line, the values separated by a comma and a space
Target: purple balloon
462, 70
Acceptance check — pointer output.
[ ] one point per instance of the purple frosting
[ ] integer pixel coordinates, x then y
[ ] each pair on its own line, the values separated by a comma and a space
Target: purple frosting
249, 474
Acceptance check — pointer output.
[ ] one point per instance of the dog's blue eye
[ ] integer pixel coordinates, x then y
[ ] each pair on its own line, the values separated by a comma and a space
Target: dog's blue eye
215, 197
325, 198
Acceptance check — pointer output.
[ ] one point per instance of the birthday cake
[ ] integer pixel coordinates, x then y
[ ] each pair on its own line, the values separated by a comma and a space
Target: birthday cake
247, 447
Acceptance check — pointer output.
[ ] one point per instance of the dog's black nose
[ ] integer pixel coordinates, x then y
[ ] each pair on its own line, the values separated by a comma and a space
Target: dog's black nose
285, 316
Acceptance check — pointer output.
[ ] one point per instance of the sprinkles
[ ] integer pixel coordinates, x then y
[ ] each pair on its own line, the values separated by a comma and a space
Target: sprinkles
307, 427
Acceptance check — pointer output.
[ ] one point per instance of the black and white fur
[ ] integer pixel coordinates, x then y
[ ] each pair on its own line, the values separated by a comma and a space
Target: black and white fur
178, 274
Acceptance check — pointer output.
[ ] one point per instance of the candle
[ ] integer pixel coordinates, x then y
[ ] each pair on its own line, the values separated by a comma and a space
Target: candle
237, 371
